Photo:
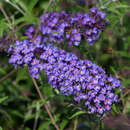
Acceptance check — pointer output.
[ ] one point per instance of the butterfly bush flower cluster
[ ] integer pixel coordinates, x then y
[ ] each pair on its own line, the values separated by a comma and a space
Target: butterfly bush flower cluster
59, 27
84, 80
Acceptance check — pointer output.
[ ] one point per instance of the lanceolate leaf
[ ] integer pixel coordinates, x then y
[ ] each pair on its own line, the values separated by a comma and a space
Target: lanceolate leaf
77, 113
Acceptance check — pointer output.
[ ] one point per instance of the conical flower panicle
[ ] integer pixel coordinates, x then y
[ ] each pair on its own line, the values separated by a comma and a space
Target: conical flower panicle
58, 27
86, 81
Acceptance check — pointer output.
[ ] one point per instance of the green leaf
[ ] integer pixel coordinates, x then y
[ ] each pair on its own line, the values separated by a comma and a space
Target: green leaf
105, 57
47, 91
113, 70
43, 103
26, 18
44, 4
124, 67
44, 125
63, 124
114, 108
27, 128
57, 117
3, 99
1, 128
122, 53
101, 2
77, 113
24, 5
3, 26
7, 115
112, 8
17, 113
2, 71
29, 117
32, 3
126, 82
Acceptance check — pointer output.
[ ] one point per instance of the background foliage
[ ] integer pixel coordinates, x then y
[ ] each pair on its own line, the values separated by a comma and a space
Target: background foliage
20, 105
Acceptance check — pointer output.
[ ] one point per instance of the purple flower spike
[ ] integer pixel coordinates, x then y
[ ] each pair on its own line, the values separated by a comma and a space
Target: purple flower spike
59, 27
85, 81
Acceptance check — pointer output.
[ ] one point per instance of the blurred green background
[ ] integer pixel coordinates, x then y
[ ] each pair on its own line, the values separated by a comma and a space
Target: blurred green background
20, 104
